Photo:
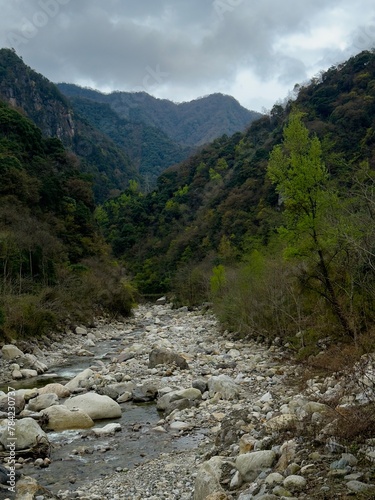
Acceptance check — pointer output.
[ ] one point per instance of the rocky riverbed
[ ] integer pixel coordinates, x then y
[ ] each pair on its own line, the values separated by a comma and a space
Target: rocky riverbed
236, 419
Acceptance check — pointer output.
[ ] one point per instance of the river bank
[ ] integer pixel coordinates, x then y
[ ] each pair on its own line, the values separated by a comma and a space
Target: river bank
234, 406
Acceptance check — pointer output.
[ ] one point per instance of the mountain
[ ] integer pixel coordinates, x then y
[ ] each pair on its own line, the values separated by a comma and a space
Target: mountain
25, 90
189, 123
217, 227
150, 150
54, 263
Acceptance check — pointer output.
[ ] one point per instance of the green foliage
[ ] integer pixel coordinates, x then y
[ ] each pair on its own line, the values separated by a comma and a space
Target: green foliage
218, 280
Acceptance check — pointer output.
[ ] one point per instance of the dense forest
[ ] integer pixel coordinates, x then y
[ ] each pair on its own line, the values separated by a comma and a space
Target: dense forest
275, 225
55, 267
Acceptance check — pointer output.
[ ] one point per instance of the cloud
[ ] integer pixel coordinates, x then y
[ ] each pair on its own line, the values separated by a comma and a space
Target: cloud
185, 48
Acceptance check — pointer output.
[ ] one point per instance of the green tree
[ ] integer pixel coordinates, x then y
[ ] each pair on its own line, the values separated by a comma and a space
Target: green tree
297, 169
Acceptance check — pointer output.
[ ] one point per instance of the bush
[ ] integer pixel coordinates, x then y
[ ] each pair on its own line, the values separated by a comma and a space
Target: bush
28, 317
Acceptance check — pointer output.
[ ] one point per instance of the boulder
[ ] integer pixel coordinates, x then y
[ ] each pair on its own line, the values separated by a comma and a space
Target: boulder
283, 422
60, 418
208, 478
107, 430
224, 386
25, 434
10, 352
250, 465
42, 402
294, 483
28, 373
96, 406
60, 390
17, 402
162, 356
80, 381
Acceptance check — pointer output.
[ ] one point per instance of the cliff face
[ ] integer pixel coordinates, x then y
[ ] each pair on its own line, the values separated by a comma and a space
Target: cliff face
40, 100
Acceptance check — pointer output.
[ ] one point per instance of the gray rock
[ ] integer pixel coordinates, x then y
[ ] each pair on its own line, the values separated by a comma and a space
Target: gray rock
359, 487
251, 464
223, 385
80, 381
208, 478
96, 406
25, 434
17, 402
200, 384
294, 483
60, 418
42, 402
162, 356
11, 352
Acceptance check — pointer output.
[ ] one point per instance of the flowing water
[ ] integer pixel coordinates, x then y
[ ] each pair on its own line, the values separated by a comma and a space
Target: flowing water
78, 457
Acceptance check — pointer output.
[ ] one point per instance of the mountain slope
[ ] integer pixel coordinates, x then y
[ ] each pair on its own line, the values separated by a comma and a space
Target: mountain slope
150, 150
190, 123
24, 89
222, 195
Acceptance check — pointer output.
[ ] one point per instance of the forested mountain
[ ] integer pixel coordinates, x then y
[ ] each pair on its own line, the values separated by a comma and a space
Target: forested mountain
189, 123
224, 225
150, 150
24, 89
54, 264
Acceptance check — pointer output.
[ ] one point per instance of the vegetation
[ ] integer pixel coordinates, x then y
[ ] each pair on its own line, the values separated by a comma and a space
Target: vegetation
189, 123
275, 225
53, 262
32, 94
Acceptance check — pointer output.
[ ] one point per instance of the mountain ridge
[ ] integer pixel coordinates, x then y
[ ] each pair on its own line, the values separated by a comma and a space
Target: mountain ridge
192, 123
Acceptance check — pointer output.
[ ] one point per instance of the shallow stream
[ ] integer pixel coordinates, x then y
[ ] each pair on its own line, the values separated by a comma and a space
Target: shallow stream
77, 457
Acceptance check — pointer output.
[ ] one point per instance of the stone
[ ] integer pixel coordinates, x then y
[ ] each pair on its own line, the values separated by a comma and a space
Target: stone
294, 483
208, 479
107, 430
5, 475
60, 418
224, 386
359, 487
251, 464
42, 402
162, 356
124, 397
28, 373
95, 405
191, 394
25, 434
81, 330
274, 478
281, 423
80, 381
16, 402
11, 352
16, 375
27, 488
177, 425
200, 384
60, 390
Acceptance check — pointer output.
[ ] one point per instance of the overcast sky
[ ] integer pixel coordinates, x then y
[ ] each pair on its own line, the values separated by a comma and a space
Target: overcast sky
255, 50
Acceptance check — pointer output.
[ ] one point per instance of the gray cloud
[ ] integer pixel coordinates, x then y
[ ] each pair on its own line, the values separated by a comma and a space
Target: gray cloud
178, 48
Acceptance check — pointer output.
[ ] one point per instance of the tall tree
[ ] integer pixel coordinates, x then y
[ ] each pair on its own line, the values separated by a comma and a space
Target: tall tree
297, 169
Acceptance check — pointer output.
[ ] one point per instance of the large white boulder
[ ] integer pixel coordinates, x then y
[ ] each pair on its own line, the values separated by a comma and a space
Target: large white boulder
96, 406
25, 434
60, 418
